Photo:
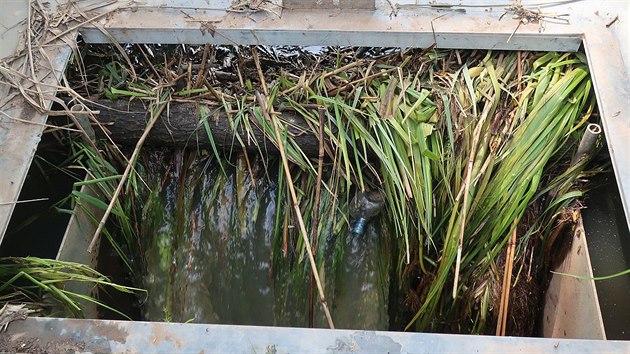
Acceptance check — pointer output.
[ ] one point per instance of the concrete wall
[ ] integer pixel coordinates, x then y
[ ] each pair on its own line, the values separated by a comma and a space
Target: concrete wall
13, 14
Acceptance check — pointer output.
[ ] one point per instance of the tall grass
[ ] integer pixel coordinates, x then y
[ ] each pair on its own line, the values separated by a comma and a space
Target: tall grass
461, 156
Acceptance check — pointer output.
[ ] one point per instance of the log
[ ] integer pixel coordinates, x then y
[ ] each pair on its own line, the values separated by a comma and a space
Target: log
182, 127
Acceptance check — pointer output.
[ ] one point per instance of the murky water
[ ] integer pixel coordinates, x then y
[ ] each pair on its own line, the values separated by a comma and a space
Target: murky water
609, 249
216, 250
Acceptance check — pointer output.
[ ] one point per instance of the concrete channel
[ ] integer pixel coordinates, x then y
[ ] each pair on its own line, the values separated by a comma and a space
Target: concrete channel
573, 320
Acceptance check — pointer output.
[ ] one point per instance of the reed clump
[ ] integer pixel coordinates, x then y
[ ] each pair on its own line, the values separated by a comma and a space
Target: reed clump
471, 150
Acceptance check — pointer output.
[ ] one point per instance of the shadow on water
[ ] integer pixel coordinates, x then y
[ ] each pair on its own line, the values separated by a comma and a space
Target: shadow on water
609, 250
216, 249
36, 228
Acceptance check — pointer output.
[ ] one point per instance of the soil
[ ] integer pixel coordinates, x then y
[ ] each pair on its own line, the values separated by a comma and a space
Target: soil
26, 344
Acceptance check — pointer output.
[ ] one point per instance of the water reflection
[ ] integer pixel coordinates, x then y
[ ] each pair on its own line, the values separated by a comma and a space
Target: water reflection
213, 250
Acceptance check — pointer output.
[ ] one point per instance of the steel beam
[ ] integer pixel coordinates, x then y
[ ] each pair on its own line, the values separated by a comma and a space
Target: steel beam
21, 125
411, 27
330, 4
70, 335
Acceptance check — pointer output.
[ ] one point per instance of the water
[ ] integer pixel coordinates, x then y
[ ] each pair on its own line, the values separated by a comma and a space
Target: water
609, 248
215, 250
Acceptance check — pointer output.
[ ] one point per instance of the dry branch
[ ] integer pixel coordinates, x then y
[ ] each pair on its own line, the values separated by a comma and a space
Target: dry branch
297, 210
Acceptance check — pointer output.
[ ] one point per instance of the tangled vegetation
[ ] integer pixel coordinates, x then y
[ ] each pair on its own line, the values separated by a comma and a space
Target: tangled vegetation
472, 150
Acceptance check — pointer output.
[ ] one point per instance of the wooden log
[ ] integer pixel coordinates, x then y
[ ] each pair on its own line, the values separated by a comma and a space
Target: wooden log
181, 126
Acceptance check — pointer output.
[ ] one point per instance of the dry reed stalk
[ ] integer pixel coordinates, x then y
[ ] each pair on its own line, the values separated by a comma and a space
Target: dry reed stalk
201, 75
123, 179
24, 201
285, 236
507, 284
296, 207
466, 190
318, 190
261, 76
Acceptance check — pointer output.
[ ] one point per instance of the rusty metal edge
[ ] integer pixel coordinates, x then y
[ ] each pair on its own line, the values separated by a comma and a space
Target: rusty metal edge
20, 142
40, 334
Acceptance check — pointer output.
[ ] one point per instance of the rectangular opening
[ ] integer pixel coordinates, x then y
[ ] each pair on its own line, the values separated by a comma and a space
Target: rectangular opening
447, 39
212, 177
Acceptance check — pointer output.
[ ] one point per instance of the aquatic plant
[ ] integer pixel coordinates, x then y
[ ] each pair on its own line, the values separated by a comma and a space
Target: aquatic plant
469, 149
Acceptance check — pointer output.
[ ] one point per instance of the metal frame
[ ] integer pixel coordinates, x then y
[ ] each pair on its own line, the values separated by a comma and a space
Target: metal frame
472, 26
21, 125
416, 24
99, 336
75, 242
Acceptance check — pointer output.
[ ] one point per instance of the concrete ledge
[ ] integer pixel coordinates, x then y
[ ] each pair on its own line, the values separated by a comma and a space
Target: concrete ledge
63, 335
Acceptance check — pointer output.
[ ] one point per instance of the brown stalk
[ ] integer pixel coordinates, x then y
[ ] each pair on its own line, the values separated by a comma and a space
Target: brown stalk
149, 63
29, 35
296, 208
249, 167
125, 175
507, 284
201, 74
285, 236
261, 77
325, 75
318, 190
189, 76
519, 68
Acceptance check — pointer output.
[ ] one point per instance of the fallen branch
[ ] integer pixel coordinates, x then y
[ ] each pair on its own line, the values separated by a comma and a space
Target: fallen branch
125, 122
158, 109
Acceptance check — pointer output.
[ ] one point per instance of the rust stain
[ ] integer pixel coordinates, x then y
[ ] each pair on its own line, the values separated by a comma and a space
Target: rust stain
111, 332
161, 334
